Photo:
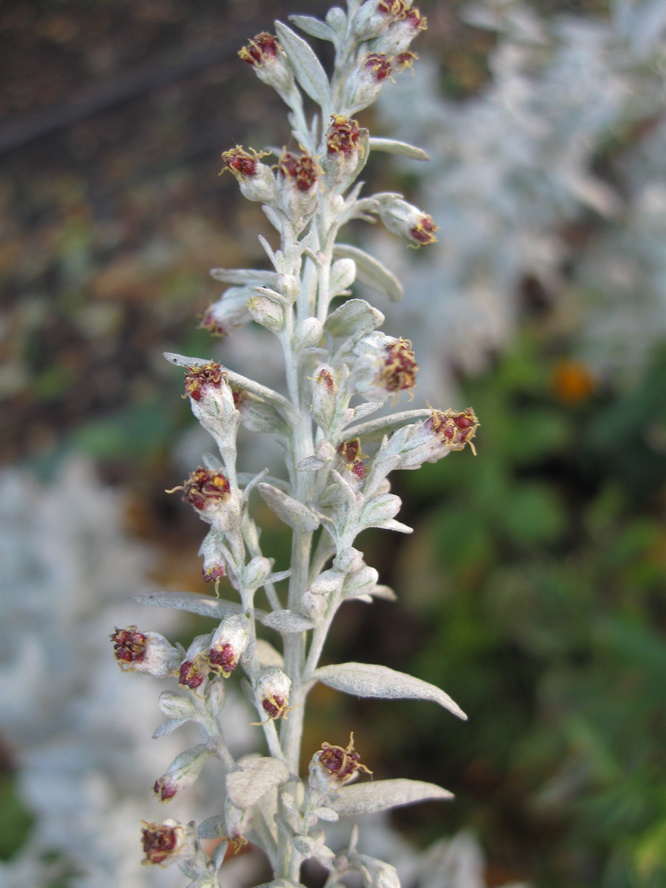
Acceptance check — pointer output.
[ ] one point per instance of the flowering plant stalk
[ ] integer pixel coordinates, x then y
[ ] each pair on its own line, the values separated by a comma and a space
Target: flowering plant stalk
333, 488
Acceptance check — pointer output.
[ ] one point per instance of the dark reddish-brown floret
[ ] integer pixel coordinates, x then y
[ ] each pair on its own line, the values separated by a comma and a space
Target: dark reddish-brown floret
341, 763
400, 367
342, 136
129, 645
164, 789
198, 378
378, 65
455, 429
263, 46
416, 20
191, 676
274, 707
240, 162
213, 574
424, 231
205, 487
302, 169
351, 453
224, 660
404, 60
159, 842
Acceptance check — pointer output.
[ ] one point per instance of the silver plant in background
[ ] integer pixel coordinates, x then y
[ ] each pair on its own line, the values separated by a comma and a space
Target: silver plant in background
337, 463
516, 164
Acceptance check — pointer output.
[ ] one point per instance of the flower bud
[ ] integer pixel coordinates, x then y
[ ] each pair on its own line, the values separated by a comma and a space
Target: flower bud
374, 18
332, 767
316, 598
228, 644
182, 772
453, 429
229, 313
343, 150
255, 179
168, 842
365, 82
375, 873
270, 64
385, 367
324, 396
408, 221
348, 560
144, 652
266, 312
272, 689
397, 39
256, 415
298, 175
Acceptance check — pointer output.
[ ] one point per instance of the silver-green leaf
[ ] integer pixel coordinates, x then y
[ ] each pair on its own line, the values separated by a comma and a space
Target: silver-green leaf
369, 680
306, 66
294, 513
380, 795
252, 777
403, 149
352, 317
314, 27
287, 621
371, 272
192, 603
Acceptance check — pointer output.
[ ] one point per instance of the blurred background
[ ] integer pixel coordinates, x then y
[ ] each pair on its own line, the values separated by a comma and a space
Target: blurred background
534, 587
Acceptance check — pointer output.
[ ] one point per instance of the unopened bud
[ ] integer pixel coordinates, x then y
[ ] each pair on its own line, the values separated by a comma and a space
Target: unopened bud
324, 396
408, 221
229, 313
273, 688
257, 415
385, 367
167, 843
182, 772
144, 652
266, 312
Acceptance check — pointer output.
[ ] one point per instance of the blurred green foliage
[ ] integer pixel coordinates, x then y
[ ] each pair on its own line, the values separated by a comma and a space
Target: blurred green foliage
538, 571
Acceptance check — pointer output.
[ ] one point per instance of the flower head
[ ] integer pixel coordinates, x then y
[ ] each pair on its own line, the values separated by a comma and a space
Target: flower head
255, 179
272, 689
407, 220
332, 766
204, 377
144, 651
350, 453
228, 644
454, 429
270, 64
385, 367
167, 843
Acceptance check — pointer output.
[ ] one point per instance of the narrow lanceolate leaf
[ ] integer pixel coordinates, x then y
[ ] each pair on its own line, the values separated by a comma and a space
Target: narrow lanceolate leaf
252, 778
192, 603
213, 828
167, 726
353, 316
294, 513
287, 621
404, 149
368, 680
250, 277
306, 66
377, 428
380, 795
371, 272
313, 27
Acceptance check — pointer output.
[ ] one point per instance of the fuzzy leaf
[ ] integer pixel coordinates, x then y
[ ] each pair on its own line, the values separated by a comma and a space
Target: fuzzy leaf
169, 725
252, 778
377, 428
343, 275
380, 795
267, 655
250, 277
287, 621
212, 828
294, 513
403, 149
371, 272
176, 706
353, 316
192, 603
368, 680
306, 66
314, 27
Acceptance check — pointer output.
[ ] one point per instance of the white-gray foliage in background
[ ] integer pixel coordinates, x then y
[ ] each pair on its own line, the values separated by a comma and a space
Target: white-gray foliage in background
515, 164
